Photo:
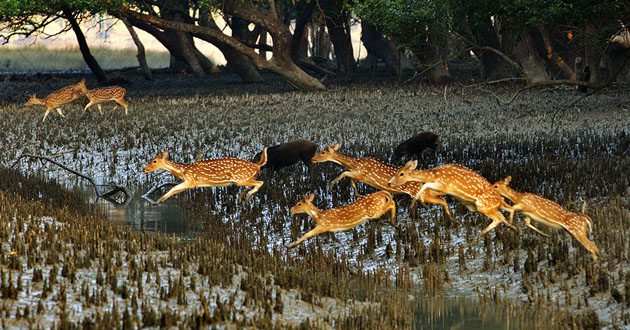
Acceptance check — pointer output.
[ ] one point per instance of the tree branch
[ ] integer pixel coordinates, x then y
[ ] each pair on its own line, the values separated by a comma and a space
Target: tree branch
108, 195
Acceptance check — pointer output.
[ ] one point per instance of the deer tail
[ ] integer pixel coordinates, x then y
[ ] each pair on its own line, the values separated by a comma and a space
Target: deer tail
263, 158
589, 223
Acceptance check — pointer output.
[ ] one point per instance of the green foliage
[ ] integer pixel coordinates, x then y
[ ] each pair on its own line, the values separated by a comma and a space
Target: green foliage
414, 23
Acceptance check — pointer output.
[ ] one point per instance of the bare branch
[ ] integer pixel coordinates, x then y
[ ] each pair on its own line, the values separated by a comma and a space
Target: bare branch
107, 195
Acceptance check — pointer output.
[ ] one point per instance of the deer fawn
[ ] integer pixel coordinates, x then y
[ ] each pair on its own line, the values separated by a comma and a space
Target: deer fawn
375, 173
58, 98
341, 218
100, 95
467, 186
210, 173
548, 213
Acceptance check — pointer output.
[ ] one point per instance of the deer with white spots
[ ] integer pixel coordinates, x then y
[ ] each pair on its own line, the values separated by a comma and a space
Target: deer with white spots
105, 94
375, 173
548, 213
466, 185
58, 98
210, 173
372, 206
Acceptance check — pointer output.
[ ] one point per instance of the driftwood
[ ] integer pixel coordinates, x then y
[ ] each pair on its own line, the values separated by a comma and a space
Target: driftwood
109, 195
152, 190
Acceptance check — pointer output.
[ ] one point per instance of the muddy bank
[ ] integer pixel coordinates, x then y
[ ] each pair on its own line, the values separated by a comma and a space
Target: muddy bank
585, 158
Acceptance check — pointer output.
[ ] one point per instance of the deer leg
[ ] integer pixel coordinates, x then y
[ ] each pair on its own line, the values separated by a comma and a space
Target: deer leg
123, 103
60, 113
100, 109
341, 176
496, 218
528, 222
46, 114
315, 231
356, 190
433, 197
257, 185
175, 190
87, 106
580, 235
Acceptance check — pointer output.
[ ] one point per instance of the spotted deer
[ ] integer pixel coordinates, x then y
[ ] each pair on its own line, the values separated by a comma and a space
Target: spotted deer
372, 206
548, 213
466, 185
375, 173
58, 98
105, 94
210, 173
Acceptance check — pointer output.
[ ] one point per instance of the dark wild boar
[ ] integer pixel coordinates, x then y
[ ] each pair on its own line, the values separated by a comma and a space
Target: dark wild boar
414, 146
289, 153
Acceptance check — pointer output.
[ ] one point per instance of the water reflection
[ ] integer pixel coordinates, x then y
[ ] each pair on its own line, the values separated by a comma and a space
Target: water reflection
468, 313
142, 215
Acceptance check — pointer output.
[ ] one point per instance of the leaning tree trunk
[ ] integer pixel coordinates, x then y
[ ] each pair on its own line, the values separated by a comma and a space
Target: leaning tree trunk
91, 62
532, 65
238, 63
280, 63
142, 59
337, 22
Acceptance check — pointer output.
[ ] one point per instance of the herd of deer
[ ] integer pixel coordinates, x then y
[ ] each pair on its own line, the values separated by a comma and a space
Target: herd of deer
70, 93
429, 186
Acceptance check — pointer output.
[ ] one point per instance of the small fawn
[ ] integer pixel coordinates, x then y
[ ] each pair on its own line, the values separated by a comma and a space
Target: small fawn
58, 98
341, 218
467, 186
104, 94
548, 213
210, 173
375, 173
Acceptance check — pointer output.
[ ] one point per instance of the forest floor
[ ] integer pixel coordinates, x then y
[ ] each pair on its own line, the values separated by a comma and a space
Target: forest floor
234, 268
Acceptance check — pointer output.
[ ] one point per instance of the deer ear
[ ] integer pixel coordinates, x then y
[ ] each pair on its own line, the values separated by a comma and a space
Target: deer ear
310, 197
507, 180
164, 155
411, 165
336, 146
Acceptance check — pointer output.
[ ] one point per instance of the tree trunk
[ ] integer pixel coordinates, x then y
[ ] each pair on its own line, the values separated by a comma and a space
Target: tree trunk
378, 46
280, 63
592, 53
239, 64
142, 59
555, 57
91, 62
439, 73
299, 42
532, 65
337, 22
492, 66
188, 49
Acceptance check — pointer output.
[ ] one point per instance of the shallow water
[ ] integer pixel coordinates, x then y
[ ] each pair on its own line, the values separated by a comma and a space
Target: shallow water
141, 215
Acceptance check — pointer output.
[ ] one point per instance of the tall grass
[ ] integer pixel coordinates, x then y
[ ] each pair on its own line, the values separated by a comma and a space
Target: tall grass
43, 58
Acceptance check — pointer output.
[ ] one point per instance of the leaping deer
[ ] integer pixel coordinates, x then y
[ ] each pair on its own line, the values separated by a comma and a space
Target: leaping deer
376, 173
548, 213
340, 218
210, 173
467, 186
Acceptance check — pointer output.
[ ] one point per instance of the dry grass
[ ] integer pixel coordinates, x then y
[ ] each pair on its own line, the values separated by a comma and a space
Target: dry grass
42, 58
